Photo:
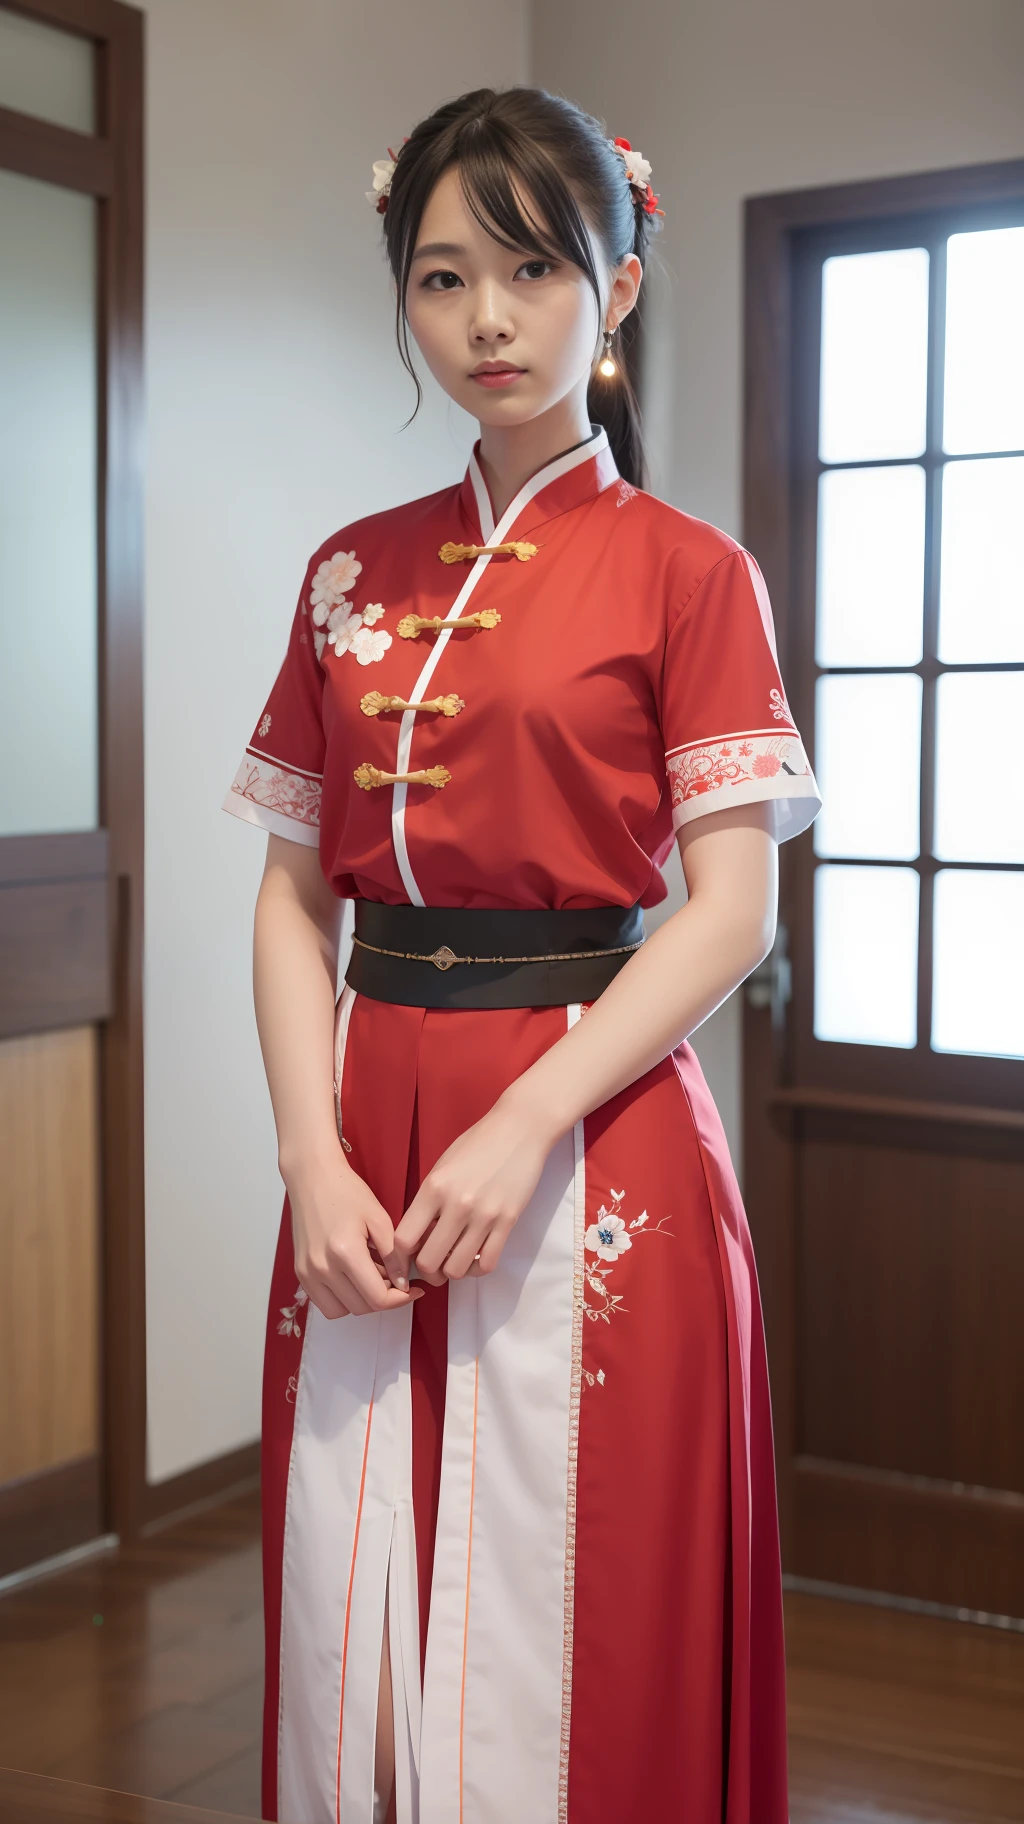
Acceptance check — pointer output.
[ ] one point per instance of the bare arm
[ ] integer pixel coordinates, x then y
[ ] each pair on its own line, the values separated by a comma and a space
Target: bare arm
463, 1213
335, 1216
684, 971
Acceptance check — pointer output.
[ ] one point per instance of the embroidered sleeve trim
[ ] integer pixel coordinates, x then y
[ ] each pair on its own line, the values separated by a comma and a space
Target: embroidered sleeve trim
749, 768
286, 766
276, 799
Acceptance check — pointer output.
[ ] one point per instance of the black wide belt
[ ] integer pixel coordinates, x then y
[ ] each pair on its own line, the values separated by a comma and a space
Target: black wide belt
464, 956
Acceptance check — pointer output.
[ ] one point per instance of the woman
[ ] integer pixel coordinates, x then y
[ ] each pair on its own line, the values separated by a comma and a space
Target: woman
520, 1535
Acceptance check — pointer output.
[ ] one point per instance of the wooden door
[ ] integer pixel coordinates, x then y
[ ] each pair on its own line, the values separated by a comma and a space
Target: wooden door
71, 1288
884, 1042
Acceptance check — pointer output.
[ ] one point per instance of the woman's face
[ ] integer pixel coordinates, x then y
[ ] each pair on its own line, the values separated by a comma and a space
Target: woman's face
507, 335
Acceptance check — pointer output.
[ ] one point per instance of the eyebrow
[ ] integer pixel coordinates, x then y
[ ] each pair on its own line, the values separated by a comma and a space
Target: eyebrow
435, 250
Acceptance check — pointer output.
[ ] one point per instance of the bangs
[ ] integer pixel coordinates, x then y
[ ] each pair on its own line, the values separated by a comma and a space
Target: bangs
520, 199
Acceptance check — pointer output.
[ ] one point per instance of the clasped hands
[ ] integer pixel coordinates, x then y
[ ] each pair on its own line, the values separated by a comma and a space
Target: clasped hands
349, 1259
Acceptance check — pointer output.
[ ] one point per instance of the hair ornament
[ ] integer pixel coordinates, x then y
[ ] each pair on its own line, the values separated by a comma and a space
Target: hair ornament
383, 172
638, 176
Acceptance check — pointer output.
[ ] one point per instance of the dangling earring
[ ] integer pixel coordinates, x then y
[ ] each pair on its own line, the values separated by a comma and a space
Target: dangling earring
606, 365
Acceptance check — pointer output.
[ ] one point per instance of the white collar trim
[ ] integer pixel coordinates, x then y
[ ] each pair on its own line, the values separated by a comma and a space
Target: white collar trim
552, 471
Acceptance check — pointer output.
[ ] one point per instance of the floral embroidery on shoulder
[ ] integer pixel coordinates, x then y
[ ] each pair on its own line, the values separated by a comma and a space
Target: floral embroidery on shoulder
608, 1238
336, 621
332, 582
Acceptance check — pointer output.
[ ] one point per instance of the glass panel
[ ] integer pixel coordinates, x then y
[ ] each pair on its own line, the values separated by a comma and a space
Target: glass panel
870, 566
874, 355
978, 986
979, 781
46, 72
981, 607
48, 481
865, 955
983, 407
867, 757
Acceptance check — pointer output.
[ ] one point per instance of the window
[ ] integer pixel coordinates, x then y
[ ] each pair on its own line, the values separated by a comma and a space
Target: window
909, 589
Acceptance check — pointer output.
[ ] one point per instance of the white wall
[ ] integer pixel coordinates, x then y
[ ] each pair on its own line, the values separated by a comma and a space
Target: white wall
735, 98
275, 402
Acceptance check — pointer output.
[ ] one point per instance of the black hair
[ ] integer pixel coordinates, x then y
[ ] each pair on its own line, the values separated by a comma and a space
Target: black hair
514, 143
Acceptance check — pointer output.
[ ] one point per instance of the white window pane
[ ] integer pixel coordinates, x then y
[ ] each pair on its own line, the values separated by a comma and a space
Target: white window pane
984, 394
867, 757
46, 72
979, 808
865, 955
981, 602
978, 983
48, 484
870, 566
874, 355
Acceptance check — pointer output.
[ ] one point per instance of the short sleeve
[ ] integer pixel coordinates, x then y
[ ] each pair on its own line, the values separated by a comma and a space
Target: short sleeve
279, 783
729, 736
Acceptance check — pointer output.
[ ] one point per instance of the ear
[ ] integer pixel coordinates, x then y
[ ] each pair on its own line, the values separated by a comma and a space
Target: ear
623, 291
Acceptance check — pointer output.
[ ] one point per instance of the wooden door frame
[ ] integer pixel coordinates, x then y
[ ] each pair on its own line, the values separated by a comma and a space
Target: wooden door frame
772, 227
107, 164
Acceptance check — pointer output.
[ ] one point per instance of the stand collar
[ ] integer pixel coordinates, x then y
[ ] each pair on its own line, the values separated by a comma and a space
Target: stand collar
568, 481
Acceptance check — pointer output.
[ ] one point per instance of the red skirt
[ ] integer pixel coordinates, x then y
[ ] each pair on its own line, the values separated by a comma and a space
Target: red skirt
560, 1476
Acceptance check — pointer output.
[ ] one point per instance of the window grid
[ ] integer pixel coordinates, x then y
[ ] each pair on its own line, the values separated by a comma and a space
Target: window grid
935, 461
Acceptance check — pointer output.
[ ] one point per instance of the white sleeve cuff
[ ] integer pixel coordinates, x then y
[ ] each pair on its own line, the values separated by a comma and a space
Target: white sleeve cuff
755, 768
275, 799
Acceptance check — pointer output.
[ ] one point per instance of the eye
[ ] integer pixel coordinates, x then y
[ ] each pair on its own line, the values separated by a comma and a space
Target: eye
535, 269
441, 281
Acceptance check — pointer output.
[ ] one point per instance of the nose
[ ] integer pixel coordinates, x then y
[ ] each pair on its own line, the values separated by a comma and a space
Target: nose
491, 321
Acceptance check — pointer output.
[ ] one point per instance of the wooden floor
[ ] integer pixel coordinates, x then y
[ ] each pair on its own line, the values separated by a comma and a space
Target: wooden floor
141, 1671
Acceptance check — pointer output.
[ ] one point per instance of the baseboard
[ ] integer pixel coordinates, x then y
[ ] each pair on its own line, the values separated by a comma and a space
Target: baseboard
47, 1513
234, 1473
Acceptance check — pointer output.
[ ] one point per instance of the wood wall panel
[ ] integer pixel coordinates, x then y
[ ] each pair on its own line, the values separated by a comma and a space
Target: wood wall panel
55, 931
49, 1251
910, 1341
942, 1542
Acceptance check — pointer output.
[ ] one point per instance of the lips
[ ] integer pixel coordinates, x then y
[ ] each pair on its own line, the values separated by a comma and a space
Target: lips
496, 374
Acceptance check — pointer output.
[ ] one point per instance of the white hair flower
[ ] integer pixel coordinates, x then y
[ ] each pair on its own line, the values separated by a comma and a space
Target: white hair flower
383, 172
372, 612
638, 169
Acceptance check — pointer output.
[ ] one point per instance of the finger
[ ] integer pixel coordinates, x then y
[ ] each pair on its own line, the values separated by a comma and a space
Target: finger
359, 1306
422, 1211
490, 1253
373, 1293
432, 1279
381, 1231
446, 1234
399, 1265
467, 1250
323, 1298
350, 1294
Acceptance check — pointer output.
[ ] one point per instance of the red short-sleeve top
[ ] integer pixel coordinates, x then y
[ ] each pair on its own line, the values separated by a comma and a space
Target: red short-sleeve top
527, 727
